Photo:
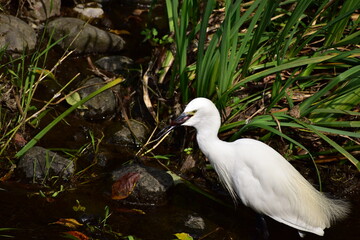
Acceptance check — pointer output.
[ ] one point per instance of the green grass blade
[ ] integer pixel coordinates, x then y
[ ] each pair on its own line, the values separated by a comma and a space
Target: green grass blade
340, 149
335, 131
202, 34
288, 65
169, 11
336, 31
290, 29
38, 136
262, 17
317, 131
336, 111
307, 106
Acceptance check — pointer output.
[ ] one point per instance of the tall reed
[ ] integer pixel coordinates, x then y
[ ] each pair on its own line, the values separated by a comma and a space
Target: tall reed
298, 48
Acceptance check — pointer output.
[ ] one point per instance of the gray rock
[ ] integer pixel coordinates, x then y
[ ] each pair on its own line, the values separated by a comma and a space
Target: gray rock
122, 135
83, 37
40, 10
41, 164
89, 11
114, 64
195, 222
151, 187
101, 106
15, 34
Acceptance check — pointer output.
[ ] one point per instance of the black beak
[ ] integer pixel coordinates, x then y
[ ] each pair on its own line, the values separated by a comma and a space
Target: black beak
180, 119
164, 131
174, 123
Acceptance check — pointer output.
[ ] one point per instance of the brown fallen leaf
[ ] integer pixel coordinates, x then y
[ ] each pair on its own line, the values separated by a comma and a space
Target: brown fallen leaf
327, 159
138, 12
120, 32
68, 222
77, 235
19, 140
124, 186
188, 164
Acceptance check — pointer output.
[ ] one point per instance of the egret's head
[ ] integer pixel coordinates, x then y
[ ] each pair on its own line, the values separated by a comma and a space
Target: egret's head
199, 113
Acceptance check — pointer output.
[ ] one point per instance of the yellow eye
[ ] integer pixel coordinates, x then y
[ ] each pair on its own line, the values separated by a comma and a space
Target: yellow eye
192, 113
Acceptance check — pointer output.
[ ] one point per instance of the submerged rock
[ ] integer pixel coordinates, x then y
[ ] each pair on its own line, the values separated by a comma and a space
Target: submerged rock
15, 34
114, 64
101, 106
42, 164
150, 188
83, 37
121, 65
122, 134
195, 222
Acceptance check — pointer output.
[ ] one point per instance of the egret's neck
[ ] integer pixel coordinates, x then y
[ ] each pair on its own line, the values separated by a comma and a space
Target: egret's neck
207, 136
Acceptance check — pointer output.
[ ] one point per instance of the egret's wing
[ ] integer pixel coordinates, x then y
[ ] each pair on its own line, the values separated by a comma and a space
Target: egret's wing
269, 184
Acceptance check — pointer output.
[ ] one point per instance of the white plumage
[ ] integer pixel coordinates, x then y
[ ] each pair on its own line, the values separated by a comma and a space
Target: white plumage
257, 174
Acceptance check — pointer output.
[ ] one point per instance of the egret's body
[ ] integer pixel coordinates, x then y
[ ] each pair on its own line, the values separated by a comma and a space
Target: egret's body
258, 175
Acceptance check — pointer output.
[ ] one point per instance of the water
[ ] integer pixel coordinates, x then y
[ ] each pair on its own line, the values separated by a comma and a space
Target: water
32, 215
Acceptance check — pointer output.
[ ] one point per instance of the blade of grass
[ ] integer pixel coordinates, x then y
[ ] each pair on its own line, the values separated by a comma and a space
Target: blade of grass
304, 40
283, 119
262, 16
336, 111
336, 31
308, 105
290, 29
340, 149
202, 37
38, 136
301, 61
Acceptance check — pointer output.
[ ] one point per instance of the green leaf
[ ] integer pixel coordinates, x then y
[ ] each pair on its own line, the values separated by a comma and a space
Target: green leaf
183, 236
73, 99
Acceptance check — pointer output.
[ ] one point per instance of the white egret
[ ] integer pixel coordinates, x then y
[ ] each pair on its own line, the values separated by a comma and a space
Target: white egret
257, 174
